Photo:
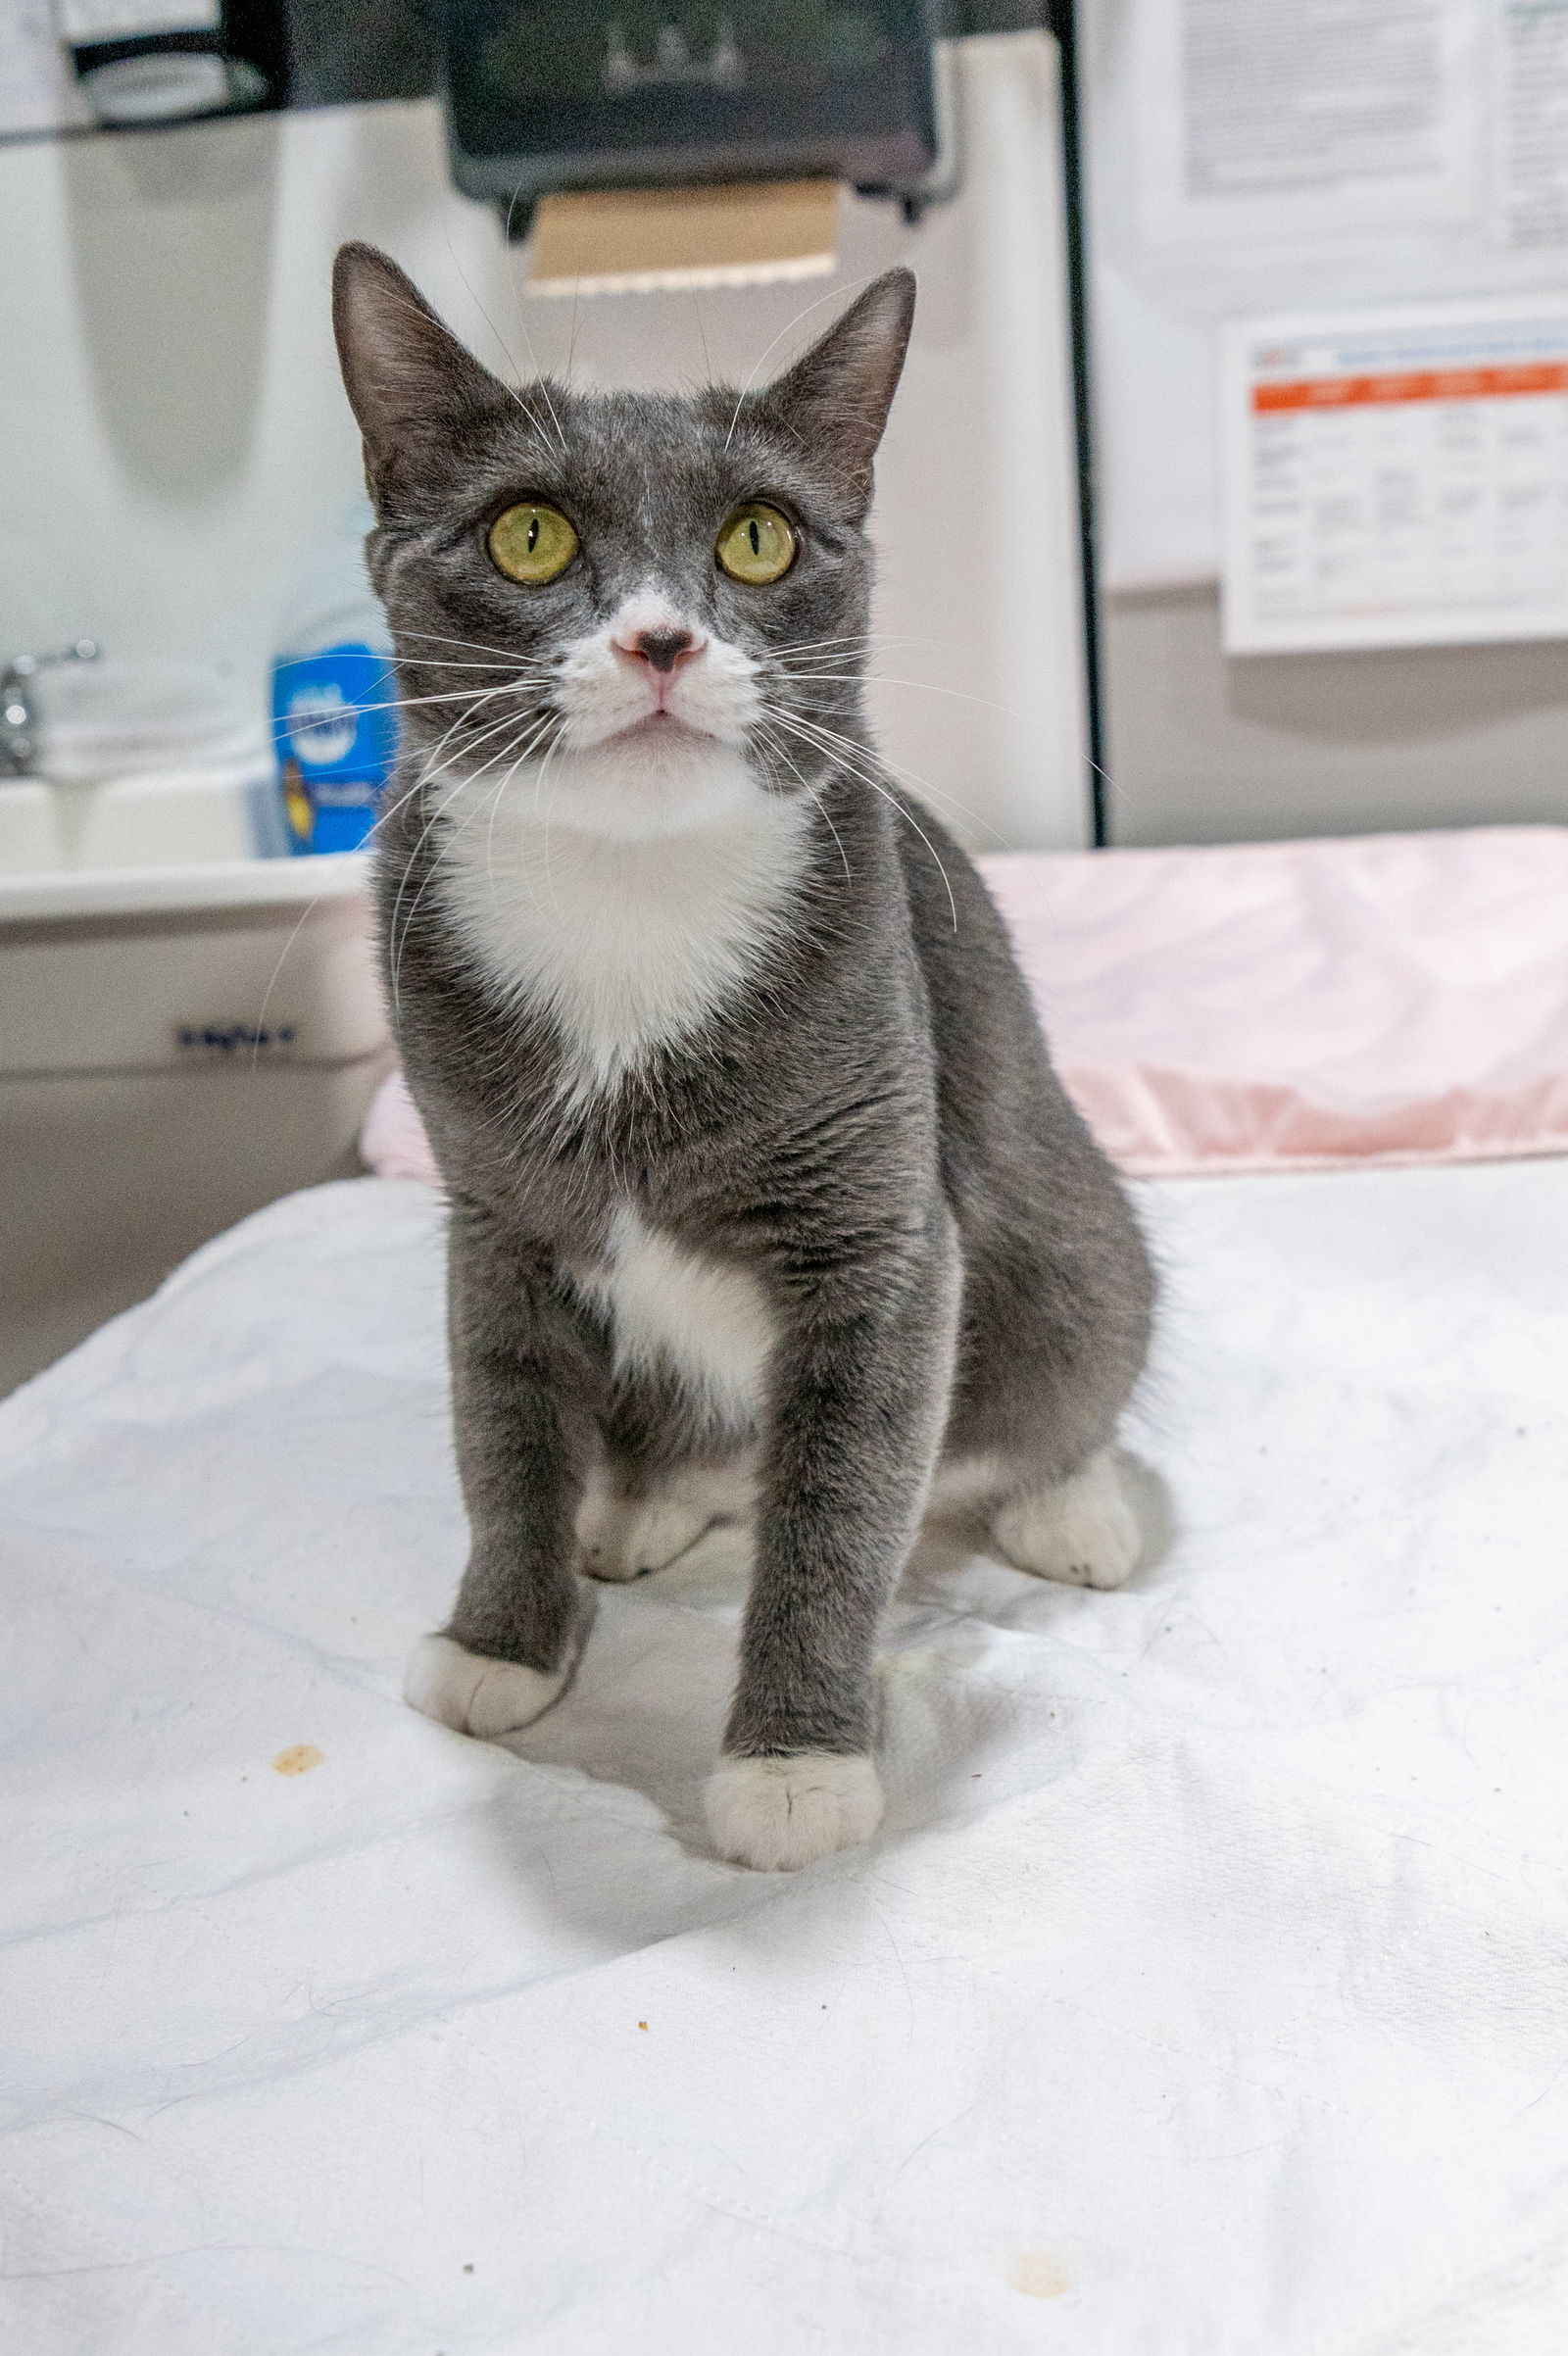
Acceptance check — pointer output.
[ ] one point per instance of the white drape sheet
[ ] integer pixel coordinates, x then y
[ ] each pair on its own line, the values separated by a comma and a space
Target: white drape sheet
1205, 1993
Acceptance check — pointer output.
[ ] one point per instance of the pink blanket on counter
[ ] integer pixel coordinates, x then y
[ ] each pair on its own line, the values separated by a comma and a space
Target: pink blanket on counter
1279, 1006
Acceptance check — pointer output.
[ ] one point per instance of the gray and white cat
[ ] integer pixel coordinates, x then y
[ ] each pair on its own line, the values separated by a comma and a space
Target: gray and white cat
765, 1203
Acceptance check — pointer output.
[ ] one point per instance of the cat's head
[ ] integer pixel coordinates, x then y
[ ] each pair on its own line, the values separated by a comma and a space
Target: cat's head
652, 605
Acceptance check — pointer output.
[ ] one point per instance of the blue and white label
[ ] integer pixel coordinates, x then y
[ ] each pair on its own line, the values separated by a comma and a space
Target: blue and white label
336, 736
322, 726
330, 712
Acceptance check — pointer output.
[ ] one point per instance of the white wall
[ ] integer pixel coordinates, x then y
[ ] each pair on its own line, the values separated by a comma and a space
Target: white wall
172, 434
1203, 746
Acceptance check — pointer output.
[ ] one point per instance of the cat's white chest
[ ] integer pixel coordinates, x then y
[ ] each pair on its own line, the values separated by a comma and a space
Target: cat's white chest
705, 1323
628, 944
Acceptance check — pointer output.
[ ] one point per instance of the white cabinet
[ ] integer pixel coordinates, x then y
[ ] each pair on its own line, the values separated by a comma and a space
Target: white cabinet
177, 1045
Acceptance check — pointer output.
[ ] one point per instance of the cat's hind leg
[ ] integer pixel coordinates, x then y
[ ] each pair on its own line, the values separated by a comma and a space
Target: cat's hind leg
665, 1474
625, 1535
1081, 1530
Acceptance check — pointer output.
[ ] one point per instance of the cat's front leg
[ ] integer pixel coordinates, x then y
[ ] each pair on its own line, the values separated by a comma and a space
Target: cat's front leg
526, 1374
859, 1387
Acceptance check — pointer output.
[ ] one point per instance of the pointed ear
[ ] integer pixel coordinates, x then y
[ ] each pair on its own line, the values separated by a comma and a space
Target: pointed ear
837, 396
409, 380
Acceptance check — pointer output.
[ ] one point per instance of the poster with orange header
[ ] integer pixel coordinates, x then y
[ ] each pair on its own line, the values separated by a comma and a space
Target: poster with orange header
1396, 477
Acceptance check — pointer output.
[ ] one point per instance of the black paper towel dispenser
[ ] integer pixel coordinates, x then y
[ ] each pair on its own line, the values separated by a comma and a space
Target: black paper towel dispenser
550, 95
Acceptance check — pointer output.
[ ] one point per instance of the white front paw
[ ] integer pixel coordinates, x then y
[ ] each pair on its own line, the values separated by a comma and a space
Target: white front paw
477, 1695
1082, 1531
777, 1814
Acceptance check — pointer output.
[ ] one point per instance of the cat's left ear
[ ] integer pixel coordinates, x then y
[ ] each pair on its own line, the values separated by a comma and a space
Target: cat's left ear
837, 396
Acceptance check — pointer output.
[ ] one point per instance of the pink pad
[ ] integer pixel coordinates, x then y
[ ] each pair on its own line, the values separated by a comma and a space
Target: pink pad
1279, 1006
392, 1142
1256, 1006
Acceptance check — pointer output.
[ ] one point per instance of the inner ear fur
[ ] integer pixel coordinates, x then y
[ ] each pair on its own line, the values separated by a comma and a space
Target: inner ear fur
410, 382
837, 395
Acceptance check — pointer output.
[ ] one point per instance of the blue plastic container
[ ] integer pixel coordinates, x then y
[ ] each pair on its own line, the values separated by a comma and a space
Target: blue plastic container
333, 693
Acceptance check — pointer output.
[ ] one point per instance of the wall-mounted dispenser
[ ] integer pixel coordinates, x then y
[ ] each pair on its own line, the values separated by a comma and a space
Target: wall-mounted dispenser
546, 96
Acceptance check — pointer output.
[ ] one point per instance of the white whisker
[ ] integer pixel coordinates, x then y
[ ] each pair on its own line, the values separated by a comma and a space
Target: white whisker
539, 378
829, 741
831, 296
878, 678
816, 795
449, 695
432, 768
512, 670
396, 948
938, 794
482, 646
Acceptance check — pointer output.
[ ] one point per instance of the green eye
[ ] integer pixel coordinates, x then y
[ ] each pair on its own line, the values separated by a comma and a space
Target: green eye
532, 543
756, 544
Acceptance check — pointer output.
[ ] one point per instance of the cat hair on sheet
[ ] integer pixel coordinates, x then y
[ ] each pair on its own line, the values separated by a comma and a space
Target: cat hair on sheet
766, 1204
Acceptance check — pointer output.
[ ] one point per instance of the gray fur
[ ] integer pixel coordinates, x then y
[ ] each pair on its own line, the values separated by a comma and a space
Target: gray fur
868, 1121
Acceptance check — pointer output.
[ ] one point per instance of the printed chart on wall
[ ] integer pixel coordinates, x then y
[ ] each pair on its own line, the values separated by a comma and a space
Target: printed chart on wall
1396, 169
1396, 478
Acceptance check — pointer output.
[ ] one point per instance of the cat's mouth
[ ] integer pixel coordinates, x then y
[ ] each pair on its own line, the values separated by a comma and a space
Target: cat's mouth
670, 716
662, 724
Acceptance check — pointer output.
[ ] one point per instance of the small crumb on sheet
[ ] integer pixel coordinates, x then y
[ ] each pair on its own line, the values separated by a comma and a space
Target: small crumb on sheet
298, 1759
1037, 2276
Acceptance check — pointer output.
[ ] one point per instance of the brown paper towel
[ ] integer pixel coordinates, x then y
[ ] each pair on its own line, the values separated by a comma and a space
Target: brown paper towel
642, 240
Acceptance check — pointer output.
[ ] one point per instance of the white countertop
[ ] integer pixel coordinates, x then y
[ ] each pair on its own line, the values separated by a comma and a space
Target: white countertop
57, 894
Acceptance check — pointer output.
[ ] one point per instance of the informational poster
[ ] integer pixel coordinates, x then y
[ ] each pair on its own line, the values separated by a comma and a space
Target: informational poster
1252, 156
1302, 118
1396, 478
1531, 94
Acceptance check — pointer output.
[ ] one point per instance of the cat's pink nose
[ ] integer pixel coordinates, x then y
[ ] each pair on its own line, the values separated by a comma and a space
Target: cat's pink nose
661, 649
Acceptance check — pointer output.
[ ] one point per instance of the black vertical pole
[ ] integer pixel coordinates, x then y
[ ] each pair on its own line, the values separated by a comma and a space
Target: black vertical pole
1062, 19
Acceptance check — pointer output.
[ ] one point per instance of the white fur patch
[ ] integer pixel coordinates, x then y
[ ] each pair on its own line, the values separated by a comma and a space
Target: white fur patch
708, 1324
777, 1814
628, 878
600, 694
475, 1696
1083, 1531
628, 944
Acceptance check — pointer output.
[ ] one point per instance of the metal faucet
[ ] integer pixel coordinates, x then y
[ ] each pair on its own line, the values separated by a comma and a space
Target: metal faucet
18, 719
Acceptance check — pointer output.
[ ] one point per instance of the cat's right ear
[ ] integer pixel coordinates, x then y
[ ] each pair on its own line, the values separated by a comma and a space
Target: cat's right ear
410, 382
835, 399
